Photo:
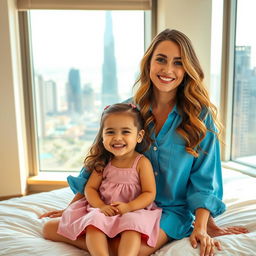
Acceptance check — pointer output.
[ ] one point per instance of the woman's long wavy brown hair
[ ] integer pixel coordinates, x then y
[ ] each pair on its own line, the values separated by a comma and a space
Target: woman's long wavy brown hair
98, 157
192, 97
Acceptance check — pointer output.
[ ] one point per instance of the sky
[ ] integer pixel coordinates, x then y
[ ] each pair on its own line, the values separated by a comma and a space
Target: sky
246, 20
74, 39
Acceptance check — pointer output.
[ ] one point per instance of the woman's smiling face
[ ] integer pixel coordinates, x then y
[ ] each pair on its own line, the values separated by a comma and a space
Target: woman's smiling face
166, 69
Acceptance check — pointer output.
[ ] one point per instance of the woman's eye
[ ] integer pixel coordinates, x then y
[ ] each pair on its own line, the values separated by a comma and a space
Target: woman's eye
178, 63
160, 60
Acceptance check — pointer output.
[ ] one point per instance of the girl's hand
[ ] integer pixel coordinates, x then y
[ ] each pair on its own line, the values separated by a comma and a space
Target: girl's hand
52, 214
207, 243
121, 207
109, 210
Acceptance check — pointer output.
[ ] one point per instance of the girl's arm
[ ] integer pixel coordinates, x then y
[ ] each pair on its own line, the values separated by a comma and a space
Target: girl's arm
91, 192
148, 189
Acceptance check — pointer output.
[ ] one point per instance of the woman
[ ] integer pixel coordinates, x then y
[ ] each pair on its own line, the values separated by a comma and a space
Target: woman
185, 152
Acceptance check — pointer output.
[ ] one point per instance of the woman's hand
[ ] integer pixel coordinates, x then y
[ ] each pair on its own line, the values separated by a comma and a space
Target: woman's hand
52, 214
121, 207
109, 210
207, 244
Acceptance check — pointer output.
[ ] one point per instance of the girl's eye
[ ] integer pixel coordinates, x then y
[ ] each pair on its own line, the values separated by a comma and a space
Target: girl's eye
178, 63
126, 132
109, 132
160, 60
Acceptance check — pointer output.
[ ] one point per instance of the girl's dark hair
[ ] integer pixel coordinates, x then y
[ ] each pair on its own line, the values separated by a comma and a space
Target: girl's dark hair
98, 157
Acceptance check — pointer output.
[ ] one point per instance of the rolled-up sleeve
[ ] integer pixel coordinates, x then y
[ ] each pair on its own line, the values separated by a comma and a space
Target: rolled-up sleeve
77, 184
205, 188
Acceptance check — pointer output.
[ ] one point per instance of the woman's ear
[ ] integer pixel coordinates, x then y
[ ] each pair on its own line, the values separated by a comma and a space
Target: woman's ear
140, 136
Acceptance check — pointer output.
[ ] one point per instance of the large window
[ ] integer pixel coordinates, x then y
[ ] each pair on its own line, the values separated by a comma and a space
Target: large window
82, 61
244, 97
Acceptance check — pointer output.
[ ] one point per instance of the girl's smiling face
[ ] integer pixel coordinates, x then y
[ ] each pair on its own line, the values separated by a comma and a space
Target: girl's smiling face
120, 135
166, 69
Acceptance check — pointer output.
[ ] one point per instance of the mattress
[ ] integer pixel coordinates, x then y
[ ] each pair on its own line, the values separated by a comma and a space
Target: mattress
21, 229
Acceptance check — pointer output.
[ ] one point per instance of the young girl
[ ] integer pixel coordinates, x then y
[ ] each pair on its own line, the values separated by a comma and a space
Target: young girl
120, 191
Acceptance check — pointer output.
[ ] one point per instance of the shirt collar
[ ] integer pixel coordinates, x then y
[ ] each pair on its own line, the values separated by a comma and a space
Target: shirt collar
174, 110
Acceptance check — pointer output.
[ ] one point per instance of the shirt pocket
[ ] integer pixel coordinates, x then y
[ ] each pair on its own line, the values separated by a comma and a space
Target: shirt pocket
180, 159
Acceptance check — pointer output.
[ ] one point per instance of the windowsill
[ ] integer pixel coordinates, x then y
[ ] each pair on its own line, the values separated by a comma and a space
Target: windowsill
240, 168
47, 181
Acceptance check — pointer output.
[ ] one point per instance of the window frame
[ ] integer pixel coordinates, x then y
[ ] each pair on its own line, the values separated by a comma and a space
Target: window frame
27, 77
227, 81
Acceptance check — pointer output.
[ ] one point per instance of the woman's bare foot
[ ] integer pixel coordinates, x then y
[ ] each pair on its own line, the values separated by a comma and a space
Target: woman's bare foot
213, 230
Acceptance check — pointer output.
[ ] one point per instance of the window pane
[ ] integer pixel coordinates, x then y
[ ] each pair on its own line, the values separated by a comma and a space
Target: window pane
244, 114
83, 61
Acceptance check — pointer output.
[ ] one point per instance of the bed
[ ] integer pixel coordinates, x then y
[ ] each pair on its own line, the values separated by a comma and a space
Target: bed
21, 230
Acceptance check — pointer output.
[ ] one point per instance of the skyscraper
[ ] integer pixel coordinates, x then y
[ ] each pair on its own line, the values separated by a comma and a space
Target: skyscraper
244, 121
50, 92
109, 79
74, 92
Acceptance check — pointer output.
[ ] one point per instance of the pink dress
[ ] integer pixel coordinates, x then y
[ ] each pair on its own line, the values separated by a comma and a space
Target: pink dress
118, 184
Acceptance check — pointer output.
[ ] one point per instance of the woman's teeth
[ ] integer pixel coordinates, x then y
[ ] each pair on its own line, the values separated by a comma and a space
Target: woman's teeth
167, 79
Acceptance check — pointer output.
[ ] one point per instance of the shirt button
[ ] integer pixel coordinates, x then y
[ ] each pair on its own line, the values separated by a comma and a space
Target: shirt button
156, 173
155, 148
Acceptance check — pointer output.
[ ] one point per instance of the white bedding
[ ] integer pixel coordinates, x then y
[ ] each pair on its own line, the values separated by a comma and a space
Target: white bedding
21, 230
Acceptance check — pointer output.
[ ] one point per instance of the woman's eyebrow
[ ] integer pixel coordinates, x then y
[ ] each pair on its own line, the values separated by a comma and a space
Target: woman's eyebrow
164, 56
161, 55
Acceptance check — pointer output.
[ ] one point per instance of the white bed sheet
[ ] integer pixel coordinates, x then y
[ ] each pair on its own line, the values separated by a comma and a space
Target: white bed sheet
21, 230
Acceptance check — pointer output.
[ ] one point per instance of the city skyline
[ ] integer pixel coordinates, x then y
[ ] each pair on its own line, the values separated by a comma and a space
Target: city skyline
244, 118
69, 103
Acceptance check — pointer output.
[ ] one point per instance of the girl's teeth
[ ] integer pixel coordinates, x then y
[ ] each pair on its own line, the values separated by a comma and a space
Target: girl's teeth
118, 146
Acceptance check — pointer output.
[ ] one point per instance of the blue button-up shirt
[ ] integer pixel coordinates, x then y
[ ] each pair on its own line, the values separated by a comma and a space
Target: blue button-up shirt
184, 182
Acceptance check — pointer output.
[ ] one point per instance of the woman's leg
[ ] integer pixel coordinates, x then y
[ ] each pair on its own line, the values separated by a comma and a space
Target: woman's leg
50, 232
129, 243
96, 242
146, 250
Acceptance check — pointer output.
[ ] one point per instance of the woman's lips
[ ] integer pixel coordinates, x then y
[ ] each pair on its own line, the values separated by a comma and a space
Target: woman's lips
166, 79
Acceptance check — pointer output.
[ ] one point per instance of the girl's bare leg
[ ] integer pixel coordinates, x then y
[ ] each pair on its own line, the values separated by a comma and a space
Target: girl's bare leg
96, 242
129, 243
145, 250
50, 232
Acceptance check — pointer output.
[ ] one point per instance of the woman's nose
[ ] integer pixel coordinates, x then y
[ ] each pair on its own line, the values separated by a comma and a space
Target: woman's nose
169, 68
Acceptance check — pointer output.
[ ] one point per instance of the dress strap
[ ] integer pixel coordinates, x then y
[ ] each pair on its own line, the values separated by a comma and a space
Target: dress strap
136, 161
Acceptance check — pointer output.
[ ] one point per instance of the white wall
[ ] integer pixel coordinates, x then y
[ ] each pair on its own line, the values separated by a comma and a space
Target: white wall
13, 167
193, 18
